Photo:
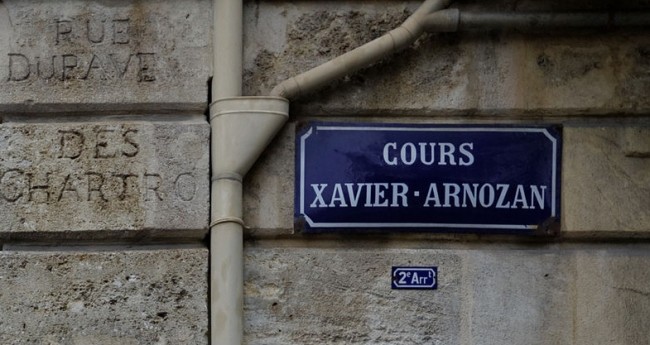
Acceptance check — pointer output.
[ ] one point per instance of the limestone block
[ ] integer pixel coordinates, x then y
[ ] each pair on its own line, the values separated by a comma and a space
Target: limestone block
73, 177
604, 188
585, 294
343, 296
613, 297
637, 142
520, 297
97, 55
479, 73
104, 298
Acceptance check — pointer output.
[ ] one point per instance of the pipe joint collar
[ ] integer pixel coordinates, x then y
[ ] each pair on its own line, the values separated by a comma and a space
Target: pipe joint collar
263, 105
442, 21
222, 220
289, 88
227, 176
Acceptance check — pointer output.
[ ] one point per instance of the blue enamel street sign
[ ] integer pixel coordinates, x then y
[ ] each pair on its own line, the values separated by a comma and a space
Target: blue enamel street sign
395, 177
414, 278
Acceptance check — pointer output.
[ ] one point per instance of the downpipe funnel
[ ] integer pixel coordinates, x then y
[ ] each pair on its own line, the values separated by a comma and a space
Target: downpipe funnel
242, 127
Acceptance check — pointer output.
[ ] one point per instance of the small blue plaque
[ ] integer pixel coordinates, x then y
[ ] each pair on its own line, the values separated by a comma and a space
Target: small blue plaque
414, 278
442, 178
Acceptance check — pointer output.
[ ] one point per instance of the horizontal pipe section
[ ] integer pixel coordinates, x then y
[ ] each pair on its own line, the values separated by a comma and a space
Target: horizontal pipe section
530, 21
443, 21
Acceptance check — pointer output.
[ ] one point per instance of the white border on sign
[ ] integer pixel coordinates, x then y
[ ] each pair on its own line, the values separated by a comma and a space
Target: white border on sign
313, 224
419, 269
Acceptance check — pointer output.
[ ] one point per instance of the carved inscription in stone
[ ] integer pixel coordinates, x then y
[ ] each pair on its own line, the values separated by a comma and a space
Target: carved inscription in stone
112, 62
103, 176
153, 54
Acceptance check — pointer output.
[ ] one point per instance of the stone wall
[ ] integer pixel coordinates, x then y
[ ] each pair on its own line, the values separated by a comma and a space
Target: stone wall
104, 172
104, 178
586, 286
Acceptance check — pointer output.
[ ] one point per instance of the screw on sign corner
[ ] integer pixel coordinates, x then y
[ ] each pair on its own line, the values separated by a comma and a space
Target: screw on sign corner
549, 227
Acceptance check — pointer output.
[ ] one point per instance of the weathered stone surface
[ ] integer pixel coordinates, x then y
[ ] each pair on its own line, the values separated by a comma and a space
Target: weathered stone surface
519, 297
612, 297
484, 73
545, 295
98, 55
57, 177
637, 141
338, 296
104, 298
604, 188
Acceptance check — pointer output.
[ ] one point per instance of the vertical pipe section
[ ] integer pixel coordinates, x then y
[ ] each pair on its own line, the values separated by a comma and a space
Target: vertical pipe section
227, 48
226, 237
226, 263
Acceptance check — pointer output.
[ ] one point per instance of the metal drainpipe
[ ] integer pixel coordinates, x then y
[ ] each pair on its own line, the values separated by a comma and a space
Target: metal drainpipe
226, 243
241, 127
452, 20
